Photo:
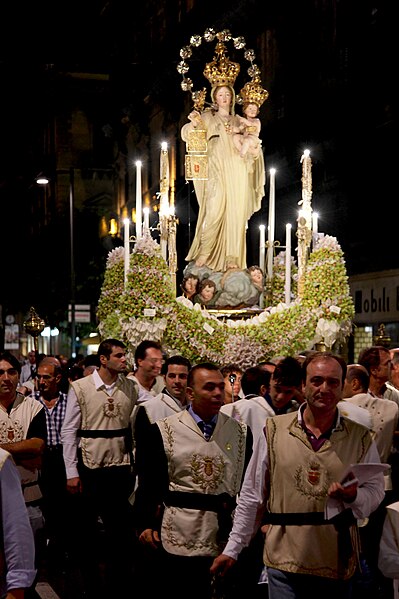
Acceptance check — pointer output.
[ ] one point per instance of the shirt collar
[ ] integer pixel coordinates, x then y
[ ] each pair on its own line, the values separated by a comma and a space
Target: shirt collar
166, 392
198, 418
99, 383
302, 423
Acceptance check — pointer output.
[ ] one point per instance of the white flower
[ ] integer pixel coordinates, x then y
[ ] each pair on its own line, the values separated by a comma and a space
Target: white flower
115, 256
327, 331
147, 245
185, 301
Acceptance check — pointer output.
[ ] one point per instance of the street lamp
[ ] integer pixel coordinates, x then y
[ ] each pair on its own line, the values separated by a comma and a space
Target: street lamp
43, 180
72, 258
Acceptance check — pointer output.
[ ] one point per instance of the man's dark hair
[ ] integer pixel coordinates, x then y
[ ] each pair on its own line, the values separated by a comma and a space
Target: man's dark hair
356, 371
9, 357
266, 363
370, 356
203, 366
253, 379
317, 355
288, 373
142, 347
230, 369
105, 347
178, 360
91, 360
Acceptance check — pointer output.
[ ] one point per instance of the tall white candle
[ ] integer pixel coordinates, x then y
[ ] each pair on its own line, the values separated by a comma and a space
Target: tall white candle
139, 215
287, 286
146, 212
164, 180
262, 244
126, 223
271, 225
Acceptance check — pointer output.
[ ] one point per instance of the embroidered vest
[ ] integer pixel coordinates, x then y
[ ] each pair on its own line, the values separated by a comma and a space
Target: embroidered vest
4, 455
299, 481
103, 412
201, 467
13, 428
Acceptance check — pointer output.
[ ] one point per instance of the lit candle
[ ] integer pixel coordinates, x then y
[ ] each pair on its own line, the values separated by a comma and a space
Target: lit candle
287, 286
262, 247
126, 223
164, 180
315, 228
270, 239
139, 216
146, 212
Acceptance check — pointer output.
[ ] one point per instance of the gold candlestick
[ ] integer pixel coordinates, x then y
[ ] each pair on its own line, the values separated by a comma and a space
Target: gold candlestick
172, 249
34, 325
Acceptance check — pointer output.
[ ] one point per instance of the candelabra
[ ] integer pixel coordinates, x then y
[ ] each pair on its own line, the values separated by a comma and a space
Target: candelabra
34, 325
304, 231
382, 338
172, 228
304, 235
164, 234
270, 246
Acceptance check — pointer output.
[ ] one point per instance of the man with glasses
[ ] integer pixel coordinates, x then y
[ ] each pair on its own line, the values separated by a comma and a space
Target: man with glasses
148, 359
52, 476
97, 445
377, 361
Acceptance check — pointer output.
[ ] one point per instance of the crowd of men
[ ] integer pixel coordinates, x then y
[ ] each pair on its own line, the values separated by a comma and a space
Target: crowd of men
233, 481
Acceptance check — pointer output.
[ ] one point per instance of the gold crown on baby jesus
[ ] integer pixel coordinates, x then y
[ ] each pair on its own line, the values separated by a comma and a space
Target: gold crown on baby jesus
253, 93
221, 71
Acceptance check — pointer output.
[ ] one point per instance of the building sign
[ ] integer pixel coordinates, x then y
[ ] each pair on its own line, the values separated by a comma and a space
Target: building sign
82, 313
376, 297
11, 336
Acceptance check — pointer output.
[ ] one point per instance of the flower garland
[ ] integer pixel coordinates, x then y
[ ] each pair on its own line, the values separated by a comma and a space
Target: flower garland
147, 309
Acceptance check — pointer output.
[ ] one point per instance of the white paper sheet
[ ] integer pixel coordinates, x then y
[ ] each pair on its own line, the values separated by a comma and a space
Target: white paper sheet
363, 472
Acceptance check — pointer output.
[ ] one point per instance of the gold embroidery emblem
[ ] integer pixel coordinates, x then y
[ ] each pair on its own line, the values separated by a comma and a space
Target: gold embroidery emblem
11, 432
207, 471
314, 473
313, 480
111, 409
208, 466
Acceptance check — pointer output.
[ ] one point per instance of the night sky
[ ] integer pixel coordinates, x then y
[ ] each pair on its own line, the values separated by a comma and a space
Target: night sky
337, 87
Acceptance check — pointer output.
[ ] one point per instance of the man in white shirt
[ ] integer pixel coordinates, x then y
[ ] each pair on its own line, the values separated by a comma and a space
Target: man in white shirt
388, 559
17, 549
297, 465
148, 359
97, 445
172, 399
28, 370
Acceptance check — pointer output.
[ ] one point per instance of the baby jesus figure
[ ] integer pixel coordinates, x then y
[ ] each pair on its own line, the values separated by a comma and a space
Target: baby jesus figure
246, 135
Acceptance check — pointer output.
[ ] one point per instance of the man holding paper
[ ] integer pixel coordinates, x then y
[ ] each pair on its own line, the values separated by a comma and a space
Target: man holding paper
299, 464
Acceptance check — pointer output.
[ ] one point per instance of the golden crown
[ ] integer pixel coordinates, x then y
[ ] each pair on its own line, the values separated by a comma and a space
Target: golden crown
253, 92
221, 71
